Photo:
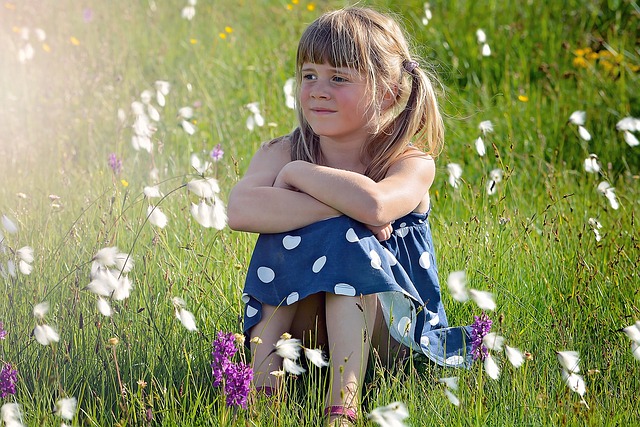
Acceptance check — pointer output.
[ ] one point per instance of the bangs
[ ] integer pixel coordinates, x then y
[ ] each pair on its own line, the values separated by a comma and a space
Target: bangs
332, 40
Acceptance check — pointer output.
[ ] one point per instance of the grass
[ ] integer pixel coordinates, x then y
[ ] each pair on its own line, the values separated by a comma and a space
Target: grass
530, 244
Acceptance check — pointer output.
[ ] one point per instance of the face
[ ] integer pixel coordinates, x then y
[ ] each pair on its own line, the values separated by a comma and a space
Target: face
335, 102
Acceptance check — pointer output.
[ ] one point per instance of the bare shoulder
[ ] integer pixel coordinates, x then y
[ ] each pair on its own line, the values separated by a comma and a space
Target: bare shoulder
416, 162
267, 162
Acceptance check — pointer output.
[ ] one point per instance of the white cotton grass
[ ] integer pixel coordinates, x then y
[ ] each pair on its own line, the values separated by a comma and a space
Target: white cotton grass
205, 188
210, 212
66, 408
592, 164
189, 11
25, 258
198, 165
455, 174
152, 192
483, 299
451, 385
514, 356
104, 307
493, 341
186, 317
157, 217
627, 126
9, 226
456, 282
491, 367
255, 118
163, 88
608, 191
595, 226
316, 357
427, 14
495, 177
633, 332
481, 37
392, 415
11, 415
43, 333
288, 348
579, 118
570, 364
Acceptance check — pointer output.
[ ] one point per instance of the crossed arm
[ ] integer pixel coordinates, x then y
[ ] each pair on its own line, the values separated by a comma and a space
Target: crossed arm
278, 195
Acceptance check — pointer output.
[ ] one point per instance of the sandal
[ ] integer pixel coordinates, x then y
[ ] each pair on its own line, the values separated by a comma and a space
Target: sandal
265, 390
341, 413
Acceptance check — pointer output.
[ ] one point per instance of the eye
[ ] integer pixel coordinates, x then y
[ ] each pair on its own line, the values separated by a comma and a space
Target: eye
340, 79
308, 76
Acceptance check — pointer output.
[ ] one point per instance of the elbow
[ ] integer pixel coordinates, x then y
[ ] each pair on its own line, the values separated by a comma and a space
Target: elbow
373, 212
235, 218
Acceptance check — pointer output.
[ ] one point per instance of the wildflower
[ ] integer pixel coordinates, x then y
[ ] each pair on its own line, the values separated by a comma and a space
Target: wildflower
112, 257
66, 408
216, 153
630, 124
8, 379
315, 356
103, 307
480, 148
452, 397
210, 216
569, 360
595, 226
186, 317
523, 98
491, 367
578, 118
3, 331
45, 334
198, 165
288, 348
481, 36
162, 90
427, 14
493, 341
74, 41
486, 127
575, 382
235, 376
11, 415
609, 192
480, 327
633, 332
151, 192
40, 310
87, 15
495, 176
289, 95
455, 173
514, 355
255, 119
156, 216
115, 164
591, 164
9, 225
188, 12
450, 382
205, 188
456, 283
391, 415
483, 299
631, 139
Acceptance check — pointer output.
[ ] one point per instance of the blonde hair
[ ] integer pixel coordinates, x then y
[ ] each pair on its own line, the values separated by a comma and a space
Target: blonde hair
374, 45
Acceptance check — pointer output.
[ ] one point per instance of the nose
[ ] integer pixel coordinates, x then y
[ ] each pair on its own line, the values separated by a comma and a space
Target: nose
319, 91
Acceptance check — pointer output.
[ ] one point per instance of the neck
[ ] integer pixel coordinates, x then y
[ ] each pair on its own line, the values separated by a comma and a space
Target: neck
345, 155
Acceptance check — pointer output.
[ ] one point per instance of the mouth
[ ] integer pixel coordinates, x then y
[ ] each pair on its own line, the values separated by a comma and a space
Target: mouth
322, 110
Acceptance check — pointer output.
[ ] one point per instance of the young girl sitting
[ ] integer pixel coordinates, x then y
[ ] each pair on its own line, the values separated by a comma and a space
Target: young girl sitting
345, 257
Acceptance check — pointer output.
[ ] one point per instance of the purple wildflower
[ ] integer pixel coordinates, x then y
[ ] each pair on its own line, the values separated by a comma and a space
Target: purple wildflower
8, 379
236, 377
217, 153
239, 376
3, 331
115, 163
481, 327
87, 15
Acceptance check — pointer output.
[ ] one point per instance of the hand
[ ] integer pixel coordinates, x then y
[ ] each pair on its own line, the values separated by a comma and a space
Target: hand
281, 182
382, 232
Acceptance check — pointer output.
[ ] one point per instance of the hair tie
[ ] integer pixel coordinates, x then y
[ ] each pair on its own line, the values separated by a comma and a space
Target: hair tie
410, 65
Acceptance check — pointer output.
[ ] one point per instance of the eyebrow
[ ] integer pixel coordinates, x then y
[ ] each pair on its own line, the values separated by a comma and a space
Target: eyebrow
341, 70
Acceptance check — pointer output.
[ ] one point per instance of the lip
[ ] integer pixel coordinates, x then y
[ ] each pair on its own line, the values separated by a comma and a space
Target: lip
322, 110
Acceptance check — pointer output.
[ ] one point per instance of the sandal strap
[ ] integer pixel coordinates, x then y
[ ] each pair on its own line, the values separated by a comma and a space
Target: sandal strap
266, 390
342, 411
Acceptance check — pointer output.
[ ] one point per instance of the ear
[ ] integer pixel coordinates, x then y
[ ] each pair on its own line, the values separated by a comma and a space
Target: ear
389, 98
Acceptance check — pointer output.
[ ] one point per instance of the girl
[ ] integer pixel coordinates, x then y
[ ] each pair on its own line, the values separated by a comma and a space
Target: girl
345, 255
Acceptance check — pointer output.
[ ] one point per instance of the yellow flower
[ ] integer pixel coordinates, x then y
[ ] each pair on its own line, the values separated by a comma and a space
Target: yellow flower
294, 1
582, 52
289, 7
193, 41
228, 29
311, 7
580, 62
592, 55
10, 6
16, 29
74, 41
523, 98
124, 183
46, 47
223, 35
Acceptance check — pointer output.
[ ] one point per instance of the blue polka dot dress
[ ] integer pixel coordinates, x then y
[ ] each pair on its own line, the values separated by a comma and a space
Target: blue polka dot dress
342, 256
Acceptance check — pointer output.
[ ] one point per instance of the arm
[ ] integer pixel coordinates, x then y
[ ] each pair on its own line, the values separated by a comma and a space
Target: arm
361, 198
255, 205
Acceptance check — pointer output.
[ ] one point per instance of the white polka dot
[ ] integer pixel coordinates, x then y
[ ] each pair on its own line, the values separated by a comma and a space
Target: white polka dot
320, 262
390, 258
404, 325
376, 262
291, 242
293, 298
265, 274
403, 224
454, 360
435, 319
251, 311
352, 236
424, 341
402, 232
344, 289
425, 260
245, 298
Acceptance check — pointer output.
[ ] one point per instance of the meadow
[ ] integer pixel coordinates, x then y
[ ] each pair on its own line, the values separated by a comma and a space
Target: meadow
80, 171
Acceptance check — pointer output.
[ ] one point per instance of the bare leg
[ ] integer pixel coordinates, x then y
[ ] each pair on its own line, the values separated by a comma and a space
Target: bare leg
275, 321
349, 320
